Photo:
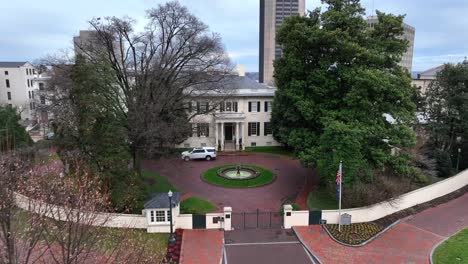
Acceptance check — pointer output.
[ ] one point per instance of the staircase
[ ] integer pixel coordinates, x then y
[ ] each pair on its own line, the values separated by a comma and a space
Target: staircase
229, 145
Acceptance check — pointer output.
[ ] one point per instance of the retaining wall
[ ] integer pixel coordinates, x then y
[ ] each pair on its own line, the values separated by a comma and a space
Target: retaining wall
379, 210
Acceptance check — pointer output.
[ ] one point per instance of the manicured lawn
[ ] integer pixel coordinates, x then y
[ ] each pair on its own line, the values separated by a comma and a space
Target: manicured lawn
156, 183
110, 239
195, 205
453, 250
211, 176
153, 243
321, 199
272, 150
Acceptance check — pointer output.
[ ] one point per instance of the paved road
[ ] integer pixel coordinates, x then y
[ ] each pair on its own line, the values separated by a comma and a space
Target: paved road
410, 241
186, 177
264, 246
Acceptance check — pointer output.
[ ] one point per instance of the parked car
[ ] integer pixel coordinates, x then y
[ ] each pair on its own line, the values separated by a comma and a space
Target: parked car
49, 136
207, 153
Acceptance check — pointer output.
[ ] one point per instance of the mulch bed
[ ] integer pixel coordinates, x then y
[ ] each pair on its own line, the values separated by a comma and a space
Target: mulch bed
354, 234
173, 250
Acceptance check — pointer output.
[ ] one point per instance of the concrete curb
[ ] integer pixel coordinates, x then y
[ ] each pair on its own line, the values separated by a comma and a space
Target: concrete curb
363, 243
316, 259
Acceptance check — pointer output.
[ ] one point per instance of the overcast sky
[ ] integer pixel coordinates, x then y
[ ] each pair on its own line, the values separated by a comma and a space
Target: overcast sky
31, 29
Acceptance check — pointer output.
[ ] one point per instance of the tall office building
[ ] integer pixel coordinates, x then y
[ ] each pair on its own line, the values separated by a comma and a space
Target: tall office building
272, 15
409, 32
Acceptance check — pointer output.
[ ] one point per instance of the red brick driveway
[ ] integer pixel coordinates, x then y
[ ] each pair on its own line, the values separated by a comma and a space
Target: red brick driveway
290, 177
410, 241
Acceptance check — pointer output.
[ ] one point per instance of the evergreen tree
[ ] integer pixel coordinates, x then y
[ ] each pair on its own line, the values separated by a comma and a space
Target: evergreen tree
12, 134
446, 110
337, 81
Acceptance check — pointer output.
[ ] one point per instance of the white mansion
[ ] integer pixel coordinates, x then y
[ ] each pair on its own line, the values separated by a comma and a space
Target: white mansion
242, 120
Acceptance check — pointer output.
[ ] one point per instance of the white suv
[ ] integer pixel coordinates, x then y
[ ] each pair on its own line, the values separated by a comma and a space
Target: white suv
207, 153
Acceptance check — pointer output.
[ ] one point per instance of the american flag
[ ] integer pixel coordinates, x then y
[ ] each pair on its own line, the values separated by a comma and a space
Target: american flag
338, 182
338, 176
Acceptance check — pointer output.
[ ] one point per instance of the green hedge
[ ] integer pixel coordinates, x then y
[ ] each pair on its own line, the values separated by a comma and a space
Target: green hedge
270, 149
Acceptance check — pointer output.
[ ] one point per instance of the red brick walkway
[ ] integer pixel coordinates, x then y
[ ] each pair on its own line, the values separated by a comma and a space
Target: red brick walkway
410, 241
201, 247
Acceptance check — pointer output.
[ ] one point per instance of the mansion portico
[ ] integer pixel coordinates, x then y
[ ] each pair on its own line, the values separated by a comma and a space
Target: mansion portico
241, 121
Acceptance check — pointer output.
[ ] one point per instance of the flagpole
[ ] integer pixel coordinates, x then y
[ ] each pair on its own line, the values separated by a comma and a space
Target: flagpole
339, 203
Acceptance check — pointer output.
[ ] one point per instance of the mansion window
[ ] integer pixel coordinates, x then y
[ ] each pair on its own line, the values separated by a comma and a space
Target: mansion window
9, 95
267, 130
160, 216
7, 82
6, 72
203, 107
42, 99
41, 86
254, 106
228, 106
201, 130
268, 105
254, 129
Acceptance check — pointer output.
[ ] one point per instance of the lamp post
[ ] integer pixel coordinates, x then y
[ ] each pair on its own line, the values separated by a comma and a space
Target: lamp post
459, 139
171, 235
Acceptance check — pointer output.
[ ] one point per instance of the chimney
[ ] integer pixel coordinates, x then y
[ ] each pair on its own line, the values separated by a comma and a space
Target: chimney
241, 70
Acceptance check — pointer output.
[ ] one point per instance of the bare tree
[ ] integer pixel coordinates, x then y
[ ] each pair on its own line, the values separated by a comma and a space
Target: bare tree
156, 73
20, 233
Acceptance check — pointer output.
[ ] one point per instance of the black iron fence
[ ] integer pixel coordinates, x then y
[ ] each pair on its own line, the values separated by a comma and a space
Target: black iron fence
256, 219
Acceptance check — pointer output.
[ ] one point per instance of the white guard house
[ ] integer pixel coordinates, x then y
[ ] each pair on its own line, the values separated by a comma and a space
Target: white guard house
158, 214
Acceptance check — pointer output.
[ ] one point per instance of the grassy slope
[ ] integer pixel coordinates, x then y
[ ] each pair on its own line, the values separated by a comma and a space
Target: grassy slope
321, 200
453, 250
195, 205
157, 183
266, 176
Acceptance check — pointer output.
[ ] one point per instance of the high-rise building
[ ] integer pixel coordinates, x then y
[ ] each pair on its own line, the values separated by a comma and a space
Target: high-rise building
18, 88
409, 32
272, 15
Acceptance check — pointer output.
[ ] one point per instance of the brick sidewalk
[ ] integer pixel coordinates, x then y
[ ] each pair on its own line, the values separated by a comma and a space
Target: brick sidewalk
201, 246
410, 241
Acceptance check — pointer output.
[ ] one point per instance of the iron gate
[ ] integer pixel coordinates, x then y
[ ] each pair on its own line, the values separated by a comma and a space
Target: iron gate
256, 219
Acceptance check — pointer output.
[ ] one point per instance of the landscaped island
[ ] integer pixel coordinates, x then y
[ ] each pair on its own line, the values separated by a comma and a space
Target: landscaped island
215, 176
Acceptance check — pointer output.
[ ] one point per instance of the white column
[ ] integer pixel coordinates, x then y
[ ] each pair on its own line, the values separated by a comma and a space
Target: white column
243, 135
227, 218
216, 136
237, 135
287, 223
222, 135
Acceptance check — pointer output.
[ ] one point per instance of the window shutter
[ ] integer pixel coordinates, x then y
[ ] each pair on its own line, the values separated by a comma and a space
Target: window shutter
249, 128
258, 126
266, 106
250, 110
207, 107
258, 107
235, 107
207, 129
265, 126
221, 107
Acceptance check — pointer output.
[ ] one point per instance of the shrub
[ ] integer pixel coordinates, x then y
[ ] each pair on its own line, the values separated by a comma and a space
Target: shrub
444, 164
382, 188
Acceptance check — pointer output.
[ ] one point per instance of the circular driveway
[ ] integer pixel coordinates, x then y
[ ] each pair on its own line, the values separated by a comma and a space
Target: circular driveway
290, 177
